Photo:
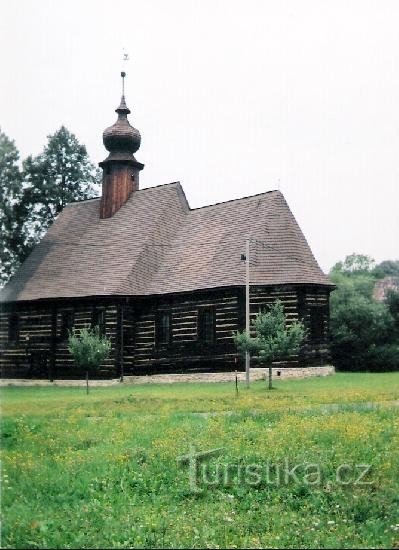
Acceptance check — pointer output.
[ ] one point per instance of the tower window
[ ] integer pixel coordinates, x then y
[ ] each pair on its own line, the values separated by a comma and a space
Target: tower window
98, 320
206, 325
13, 329
163, 327
67, 321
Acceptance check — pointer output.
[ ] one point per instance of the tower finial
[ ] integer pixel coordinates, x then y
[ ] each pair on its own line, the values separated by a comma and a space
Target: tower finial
125, 59
123, 74
123, 108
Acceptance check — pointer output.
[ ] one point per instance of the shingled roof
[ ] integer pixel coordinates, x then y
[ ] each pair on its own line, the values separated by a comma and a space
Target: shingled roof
155, 244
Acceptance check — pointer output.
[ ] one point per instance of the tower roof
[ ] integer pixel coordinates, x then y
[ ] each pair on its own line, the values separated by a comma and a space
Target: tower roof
123, 108
121, 139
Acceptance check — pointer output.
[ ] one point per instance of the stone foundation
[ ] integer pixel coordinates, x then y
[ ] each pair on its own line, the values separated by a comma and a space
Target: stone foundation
256, 374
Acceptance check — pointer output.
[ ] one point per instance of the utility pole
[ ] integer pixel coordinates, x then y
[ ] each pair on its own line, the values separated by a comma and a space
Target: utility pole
119, 340
247, 356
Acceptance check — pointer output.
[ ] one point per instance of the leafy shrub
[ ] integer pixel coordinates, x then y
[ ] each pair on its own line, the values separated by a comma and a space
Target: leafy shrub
272, 340
88, 348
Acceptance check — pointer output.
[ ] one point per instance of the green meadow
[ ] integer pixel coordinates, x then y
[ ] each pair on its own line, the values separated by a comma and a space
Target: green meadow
312, 463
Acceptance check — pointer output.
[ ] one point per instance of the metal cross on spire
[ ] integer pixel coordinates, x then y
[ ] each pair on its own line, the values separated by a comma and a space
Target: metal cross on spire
125, 59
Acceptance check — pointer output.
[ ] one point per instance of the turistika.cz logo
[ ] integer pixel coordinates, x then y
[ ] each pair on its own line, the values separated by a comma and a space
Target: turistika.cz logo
202, 474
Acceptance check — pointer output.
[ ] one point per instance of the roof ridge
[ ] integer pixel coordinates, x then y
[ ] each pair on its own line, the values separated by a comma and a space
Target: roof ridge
160, 185
238, 199
177, 183
82, 200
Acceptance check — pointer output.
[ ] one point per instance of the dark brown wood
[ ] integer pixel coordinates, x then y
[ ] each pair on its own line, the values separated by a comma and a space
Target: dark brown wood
38, 354
119, 181
119, 342
130, 324
53, 343
118, 184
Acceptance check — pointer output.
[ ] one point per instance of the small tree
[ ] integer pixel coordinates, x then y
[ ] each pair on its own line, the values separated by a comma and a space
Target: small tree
272, 340
89, 349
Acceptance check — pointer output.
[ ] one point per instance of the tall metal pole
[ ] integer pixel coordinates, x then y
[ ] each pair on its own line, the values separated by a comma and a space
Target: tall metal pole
247, 356
120, 340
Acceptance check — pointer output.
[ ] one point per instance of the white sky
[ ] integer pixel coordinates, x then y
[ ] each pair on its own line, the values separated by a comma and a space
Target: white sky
232, 98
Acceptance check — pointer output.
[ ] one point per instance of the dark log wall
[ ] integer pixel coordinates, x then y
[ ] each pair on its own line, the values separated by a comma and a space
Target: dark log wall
41, 352
261, 297
315, 301
128, 336
300, 303
82, 317
185, 351
30, 353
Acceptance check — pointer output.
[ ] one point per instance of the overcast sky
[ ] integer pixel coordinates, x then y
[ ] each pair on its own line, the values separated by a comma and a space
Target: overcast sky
232, 98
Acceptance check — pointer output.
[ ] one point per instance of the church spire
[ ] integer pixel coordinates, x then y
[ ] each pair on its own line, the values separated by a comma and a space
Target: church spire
123, 108
120, 168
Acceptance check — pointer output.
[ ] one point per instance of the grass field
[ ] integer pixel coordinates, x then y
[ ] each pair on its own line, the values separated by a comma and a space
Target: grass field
102, 470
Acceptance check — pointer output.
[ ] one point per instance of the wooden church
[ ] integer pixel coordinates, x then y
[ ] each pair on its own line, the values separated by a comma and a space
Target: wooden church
165, 282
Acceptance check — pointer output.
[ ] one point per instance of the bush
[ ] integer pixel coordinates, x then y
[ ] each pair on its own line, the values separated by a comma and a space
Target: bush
383, 358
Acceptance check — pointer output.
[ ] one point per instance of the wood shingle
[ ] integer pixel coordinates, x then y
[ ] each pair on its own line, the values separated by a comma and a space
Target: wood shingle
156, 244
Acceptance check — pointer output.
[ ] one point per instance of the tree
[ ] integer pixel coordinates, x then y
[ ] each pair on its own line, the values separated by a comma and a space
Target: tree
363, 335
31, 199
392, 301
12, 210
360, 283
62, 173
89, 349
355, 263
273, 340
387, 268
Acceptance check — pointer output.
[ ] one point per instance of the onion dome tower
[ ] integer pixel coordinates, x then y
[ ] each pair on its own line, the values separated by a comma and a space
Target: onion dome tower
120, 169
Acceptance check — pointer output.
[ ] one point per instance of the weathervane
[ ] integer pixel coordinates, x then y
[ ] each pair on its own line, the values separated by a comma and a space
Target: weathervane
125, 59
